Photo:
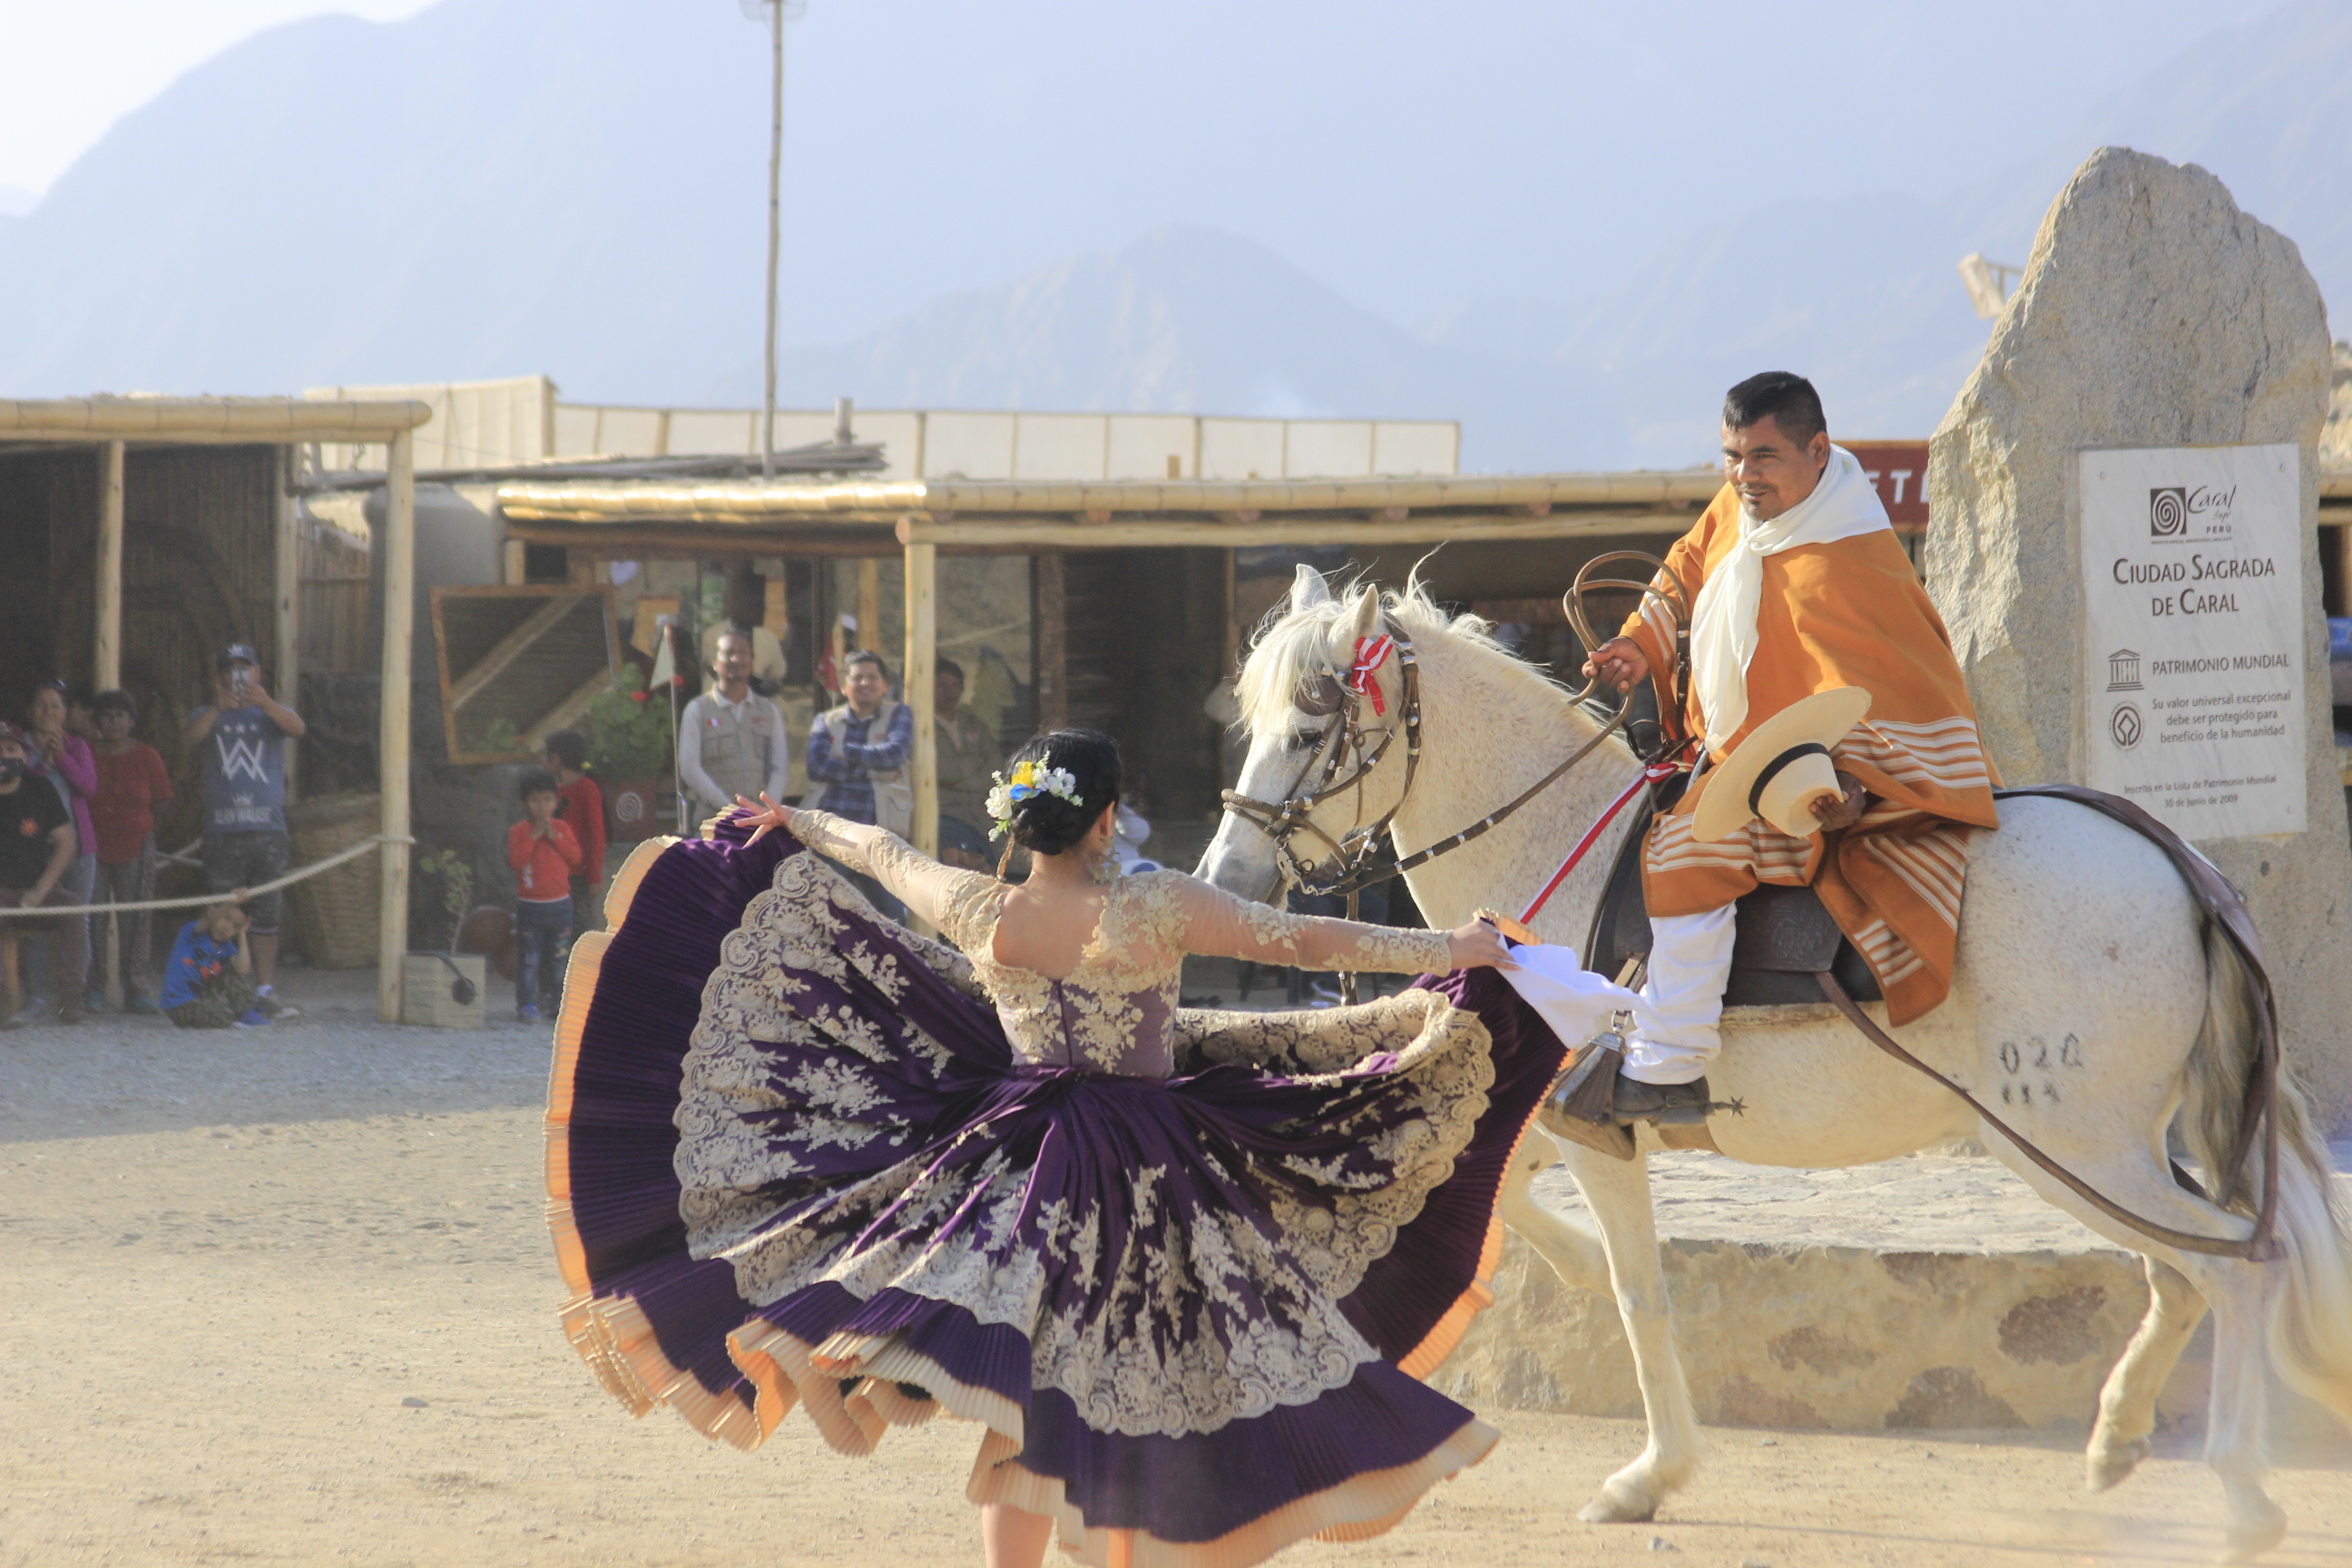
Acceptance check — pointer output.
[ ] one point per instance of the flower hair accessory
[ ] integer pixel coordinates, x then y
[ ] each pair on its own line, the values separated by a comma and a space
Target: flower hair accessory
1028, 779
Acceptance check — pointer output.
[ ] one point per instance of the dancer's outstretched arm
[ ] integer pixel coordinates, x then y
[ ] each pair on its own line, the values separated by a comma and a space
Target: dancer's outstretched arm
1219, 925
927, 888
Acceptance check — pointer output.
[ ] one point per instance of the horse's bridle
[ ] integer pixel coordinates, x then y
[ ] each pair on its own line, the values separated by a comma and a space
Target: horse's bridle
1352, 854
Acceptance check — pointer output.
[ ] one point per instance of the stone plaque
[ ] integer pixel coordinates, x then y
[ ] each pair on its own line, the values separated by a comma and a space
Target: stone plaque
2193, 632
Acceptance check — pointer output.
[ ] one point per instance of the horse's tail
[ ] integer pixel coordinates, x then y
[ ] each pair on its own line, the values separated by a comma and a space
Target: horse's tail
2311, 1318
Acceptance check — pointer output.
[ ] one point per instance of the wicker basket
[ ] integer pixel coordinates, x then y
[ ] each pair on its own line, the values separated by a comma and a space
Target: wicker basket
336, 918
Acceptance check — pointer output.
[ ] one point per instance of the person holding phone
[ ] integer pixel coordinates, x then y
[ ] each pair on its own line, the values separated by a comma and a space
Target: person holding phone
239, 740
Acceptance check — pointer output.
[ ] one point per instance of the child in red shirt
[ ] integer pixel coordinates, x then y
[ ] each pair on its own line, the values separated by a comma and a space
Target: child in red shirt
582, 810
545, 854
134, 788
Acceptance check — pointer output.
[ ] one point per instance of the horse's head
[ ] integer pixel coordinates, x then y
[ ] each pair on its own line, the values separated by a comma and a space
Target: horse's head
1327, 741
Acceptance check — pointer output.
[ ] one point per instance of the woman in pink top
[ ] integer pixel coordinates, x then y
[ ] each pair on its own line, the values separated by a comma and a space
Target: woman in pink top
65, 760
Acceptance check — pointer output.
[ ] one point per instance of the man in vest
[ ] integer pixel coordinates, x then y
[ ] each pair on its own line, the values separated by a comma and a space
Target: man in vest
860, 751
732, 740
1799, 587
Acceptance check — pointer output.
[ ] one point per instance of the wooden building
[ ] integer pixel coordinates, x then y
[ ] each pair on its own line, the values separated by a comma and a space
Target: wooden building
140, 535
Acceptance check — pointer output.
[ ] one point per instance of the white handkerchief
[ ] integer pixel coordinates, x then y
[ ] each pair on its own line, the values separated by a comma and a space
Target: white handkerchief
1575, 1002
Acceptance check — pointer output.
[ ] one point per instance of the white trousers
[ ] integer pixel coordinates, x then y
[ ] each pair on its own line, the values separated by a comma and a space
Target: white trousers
1675, 1033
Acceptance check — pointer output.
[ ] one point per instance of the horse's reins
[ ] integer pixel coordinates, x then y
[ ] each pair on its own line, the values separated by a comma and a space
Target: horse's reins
1353, 855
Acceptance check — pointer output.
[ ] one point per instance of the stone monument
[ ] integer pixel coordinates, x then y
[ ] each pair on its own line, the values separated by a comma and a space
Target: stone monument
2125, 547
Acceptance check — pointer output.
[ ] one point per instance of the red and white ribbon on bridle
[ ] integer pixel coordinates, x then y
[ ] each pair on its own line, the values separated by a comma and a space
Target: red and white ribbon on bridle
1370, 654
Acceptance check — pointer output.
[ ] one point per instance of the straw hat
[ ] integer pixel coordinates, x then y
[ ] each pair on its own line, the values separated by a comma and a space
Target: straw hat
1781, 768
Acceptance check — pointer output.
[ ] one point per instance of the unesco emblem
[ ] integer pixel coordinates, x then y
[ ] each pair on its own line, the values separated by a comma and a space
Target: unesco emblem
2168, 512
2123, 726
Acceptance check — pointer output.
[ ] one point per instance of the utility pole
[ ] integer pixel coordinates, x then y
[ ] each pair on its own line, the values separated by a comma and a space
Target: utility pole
775, 232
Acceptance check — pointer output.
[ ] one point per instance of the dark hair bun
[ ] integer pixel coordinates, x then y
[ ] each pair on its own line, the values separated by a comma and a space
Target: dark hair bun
1046, 824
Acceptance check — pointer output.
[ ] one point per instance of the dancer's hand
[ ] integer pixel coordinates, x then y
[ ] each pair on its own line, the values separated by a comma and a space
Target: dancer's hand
1477, 946
765, 818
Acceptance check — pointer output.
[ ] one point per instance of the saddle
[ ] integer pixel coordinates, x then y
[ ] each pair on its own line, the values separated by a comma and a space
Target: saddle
1785, 936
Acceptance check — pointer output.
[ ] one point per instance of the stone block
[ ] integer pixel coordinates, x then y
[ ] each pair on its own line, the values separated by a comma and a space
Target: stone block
1929, 1293
2153, 312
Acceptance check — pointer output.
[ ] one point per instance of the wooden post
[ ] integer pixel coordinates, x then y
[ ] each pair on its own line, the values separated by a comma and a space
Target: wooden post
1053, 673
922, 661
391, 732
106, 665
286, 675
869, 604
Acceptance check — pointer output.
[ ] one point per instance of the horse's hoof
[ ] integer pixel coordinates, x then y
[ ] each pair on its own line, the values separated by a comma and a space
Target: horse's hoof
2255, 1527
1619, 1505
2106, 1466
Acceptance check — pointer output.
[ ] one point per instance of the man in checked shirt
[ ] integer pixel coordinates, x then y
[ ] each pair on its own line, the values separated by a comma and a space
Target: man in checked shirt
859, 751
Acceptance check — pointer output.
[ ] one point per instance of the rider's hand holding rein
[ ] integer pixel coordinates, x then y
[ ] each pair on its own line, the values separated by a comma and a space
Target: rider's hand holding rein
1621, 662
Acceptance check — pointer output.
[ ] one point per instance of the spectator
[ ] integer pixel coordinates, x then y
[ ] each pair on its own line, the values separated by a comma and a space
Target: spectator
968, 758
133, 789
240, 745
582, 811
36, 847
746, 612
858, 752
208, 981
732, 740
544, 855
63, 759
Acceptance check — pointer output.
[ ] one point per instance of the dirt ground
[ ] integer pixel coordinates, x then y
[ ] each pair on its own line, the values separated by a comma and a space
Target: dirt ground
286, 1296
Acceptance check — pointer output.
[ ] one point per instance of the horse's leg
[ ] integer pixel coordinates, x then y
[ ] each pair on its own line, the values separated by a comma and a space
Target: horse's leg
2238, 1292
2128, 1403
1574, 1252
1619, 1194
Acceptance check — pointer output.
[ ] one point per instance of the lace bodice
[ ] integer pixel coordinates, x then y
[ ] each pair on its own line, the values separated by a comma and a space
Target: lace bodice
1116, 1011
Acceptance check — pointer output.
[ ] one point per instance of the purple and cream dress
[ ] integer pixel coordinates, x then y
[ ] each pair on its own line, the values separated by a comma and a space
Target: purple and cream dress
1184, 1269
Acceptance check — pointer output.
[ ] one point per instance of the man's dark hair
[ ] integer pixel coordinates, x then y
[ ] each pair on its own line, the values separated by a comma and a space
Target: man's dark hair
949, 667
856, 657
537, 781
1786, 399
569, 747
116, 702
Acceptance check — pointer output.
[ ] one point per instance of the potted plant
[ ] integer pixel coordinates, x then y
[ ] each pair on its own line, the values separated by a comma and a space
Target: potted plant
629, 743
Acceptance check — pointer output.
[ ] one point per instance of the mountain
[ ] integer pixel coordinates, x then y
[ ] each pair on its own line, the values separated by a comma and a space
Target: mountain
1185, 319
500, 186
1863, 294
441, 198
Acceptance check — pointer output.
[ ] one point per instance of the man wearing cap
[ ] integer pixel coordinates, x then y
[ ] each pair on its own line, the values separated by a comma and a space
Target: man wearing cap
1798, 589
240, 745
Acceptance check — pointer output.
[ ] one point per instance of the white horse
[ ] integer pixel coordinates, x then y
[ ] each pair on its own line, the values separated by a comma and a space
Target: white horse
2074, 926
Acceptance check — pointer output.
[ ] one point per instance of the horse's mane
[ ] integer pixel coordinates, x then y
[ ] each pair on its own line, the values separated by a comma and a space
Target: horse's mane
1292, 650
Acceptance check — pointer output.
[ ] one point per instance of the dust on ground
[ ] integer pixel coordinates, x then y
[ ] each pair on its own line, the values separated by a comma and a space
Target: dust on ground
286, 1296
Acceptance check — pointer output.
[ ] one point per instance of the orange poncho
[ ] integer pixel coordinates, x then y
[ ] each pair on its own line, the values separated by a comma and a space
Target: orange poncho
1850, 613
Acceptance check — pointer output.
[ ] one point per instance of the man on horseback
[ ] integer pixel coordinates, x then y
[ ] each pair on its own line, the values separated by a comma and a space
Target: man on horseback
1798, 587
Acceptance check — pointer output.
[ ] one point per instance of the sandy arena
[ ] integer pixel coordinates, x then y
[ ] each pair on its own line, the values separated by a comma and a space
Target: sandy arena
285, 1296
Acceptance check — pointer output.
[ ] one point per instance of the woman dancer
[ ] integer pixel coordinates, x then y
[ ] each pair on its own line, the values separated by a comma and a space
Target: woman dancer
1184, 1269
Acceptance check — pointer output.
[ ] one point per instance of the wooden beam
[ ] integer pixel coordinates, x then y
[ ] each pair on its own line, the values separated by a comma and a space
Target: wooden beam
1040, 534
1052, 672
391, 728
506, 649
287, 673
106, 663
921, 662
702, 541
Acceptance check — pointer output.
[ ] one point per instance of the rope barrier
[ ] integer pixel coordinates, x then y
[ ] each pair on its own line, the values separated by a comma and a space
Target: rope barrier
301, 873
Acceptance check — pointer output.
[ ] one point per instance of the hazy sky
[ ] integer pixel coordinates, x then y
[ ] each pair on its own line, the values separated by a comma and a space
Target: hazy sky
1411, 153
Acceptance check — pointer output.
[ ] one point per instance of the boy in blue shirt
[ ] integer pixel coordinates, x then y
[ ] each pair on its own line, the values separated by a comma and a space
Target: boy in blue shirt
208, 980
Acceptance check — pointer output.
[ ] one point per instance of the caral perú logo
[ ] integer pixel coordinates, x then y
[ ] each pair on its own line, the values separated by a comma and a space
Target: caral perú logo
2168, 512
241, 759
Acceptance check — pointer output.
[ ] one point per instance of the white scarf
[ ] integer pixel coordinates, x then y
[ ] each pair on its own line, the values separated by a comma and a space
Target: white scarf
1845, 504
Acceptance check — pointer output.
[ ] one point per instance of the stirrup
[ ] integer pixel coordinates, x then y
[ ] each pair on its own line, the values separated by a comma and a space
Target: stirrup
1580, 1105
